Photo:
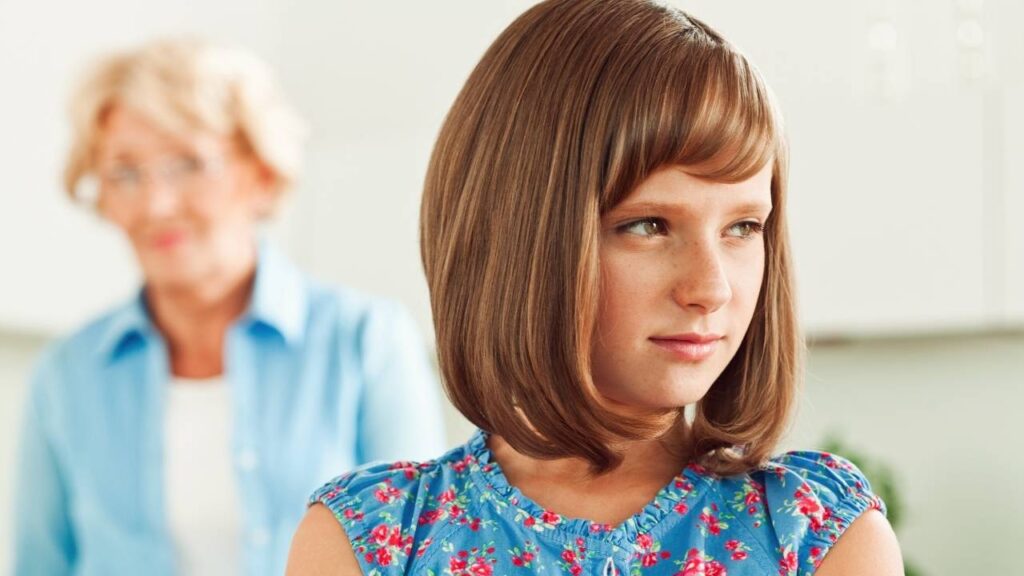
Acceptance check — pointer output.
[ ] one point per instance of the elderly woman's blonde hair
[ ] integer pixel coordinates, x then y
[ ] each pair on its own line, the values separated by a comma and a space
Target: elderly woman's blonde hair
184, 86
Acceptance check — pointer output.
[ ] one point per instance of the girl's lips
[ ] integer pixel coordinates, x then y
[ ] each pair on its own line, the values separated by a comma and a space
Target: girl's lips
695, 350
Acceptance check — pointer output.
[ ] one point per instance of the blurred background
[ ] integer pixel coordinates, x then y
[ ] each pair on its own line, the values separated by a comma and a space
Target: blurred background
907, 205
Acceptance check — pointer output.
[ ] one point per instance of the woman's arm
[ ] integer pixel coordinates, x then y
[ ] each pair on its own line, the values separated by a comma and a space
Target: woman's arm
44, 541
321, 548
868, 547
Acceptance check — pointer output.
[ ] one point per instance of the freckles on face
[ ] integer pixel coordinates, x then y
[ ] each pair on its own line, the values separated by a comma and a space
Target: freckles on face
682, 262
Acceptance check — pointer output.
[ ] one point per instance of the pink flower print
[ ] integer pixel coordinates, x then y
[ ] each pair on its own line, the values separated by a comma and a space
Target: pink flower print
380, 534
409, 468
681, 507
809, 506
714, 568
831, 461
480, 568
803, 491
573, 556
387, 494
459, 466
529, 522
457, 564
788, 564
812, 509
683, 485
424, 546
644, 541
711, 522
446, 496
523, 559
699, 564
383, 557
738, 549
649, 559
395, 539
429, 517
549, 517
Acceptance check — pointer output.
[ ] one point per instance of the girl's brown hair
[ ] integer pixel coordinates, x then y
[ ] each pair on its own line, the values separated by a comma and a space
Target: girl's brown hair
574, 105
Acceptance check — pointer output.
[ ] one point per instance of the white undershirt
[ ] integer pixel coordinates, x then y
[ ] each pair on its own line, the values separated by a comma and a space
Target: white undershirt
203, 511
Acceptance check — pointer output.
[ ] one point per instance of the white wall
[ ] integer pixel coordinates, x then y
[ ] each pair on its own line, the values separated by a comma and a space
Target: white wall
906, 179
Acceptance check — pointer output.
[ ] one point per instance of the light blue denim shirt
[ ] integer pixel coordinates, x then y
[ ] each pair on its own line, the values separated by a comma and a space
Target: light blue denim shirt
321, 380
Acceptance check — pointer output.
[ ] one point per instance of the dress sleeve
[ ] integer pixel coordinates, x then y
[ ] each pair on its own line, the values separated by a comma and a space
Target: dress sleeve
813, 498
376, 505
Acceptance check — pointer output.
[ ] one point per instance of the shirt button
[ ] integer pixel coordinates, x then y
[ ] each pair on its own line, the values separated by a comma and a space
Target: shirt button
260, 537
248, 460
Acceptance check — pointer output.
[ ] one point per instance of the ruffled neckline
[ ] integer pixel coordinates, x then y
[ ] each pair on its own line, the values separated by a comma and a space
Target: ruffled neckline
675, 498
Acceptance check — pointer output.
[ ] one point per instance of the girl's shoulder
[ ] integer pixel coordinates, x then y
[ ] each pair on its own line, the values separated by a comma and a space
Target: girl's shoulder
391, 512
798, 504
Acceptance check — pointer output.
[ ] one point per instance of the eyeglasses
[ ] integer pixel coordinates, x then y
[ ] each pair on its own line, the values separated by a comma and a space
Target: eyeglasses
184, 173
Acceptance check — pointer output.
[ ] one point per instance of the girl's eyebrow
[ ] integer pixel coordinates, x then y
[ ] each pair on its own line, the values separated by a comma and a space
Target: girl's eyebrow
642, 208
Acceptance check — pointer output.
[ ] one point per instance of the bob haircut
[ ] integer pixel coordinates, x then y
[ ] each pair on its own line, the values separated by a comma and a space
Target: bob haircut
571, 108
187, 85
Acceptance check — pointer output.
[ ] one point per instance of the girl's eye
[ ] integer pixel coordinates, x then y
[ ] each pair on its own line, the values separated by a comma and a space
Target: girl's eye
645, 227
746, 230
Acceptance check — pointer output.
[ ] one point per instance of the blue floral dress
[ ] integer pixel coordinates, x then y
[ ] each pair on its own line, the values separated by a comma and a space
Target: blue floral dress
458, 516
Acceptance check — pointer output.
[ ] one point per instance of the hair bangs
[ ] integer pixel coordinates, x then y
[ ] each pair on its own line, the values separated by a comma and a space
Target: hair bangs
705, 108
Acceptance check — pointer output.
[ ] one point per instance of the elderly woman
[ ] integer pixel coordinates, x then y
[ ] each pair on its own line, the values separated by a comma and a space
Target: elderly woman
182, 431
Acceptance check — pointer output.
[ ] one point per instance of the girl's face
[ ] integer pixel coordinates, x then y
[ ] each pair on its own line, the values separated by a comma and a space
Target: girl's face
682, 261
188, 206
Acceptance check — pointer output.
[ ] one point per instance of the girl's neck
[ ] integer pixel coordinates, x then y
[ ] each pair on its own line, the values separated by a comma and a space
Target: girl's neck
568, 486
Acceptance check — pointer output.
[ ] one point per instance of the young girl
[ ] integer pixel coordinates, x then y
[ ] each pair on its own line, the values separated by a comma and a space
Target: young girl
604, 237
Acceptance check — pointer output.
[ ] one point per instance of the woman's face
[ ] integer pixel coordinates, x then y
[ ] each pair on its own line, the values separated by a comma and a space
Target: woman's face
189, 206
682, 261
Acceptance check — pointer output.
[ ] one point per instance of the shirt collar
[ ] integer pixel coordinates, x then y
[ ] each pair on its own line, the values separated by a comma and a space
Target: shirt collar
127, 325
279, 301
280, 297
